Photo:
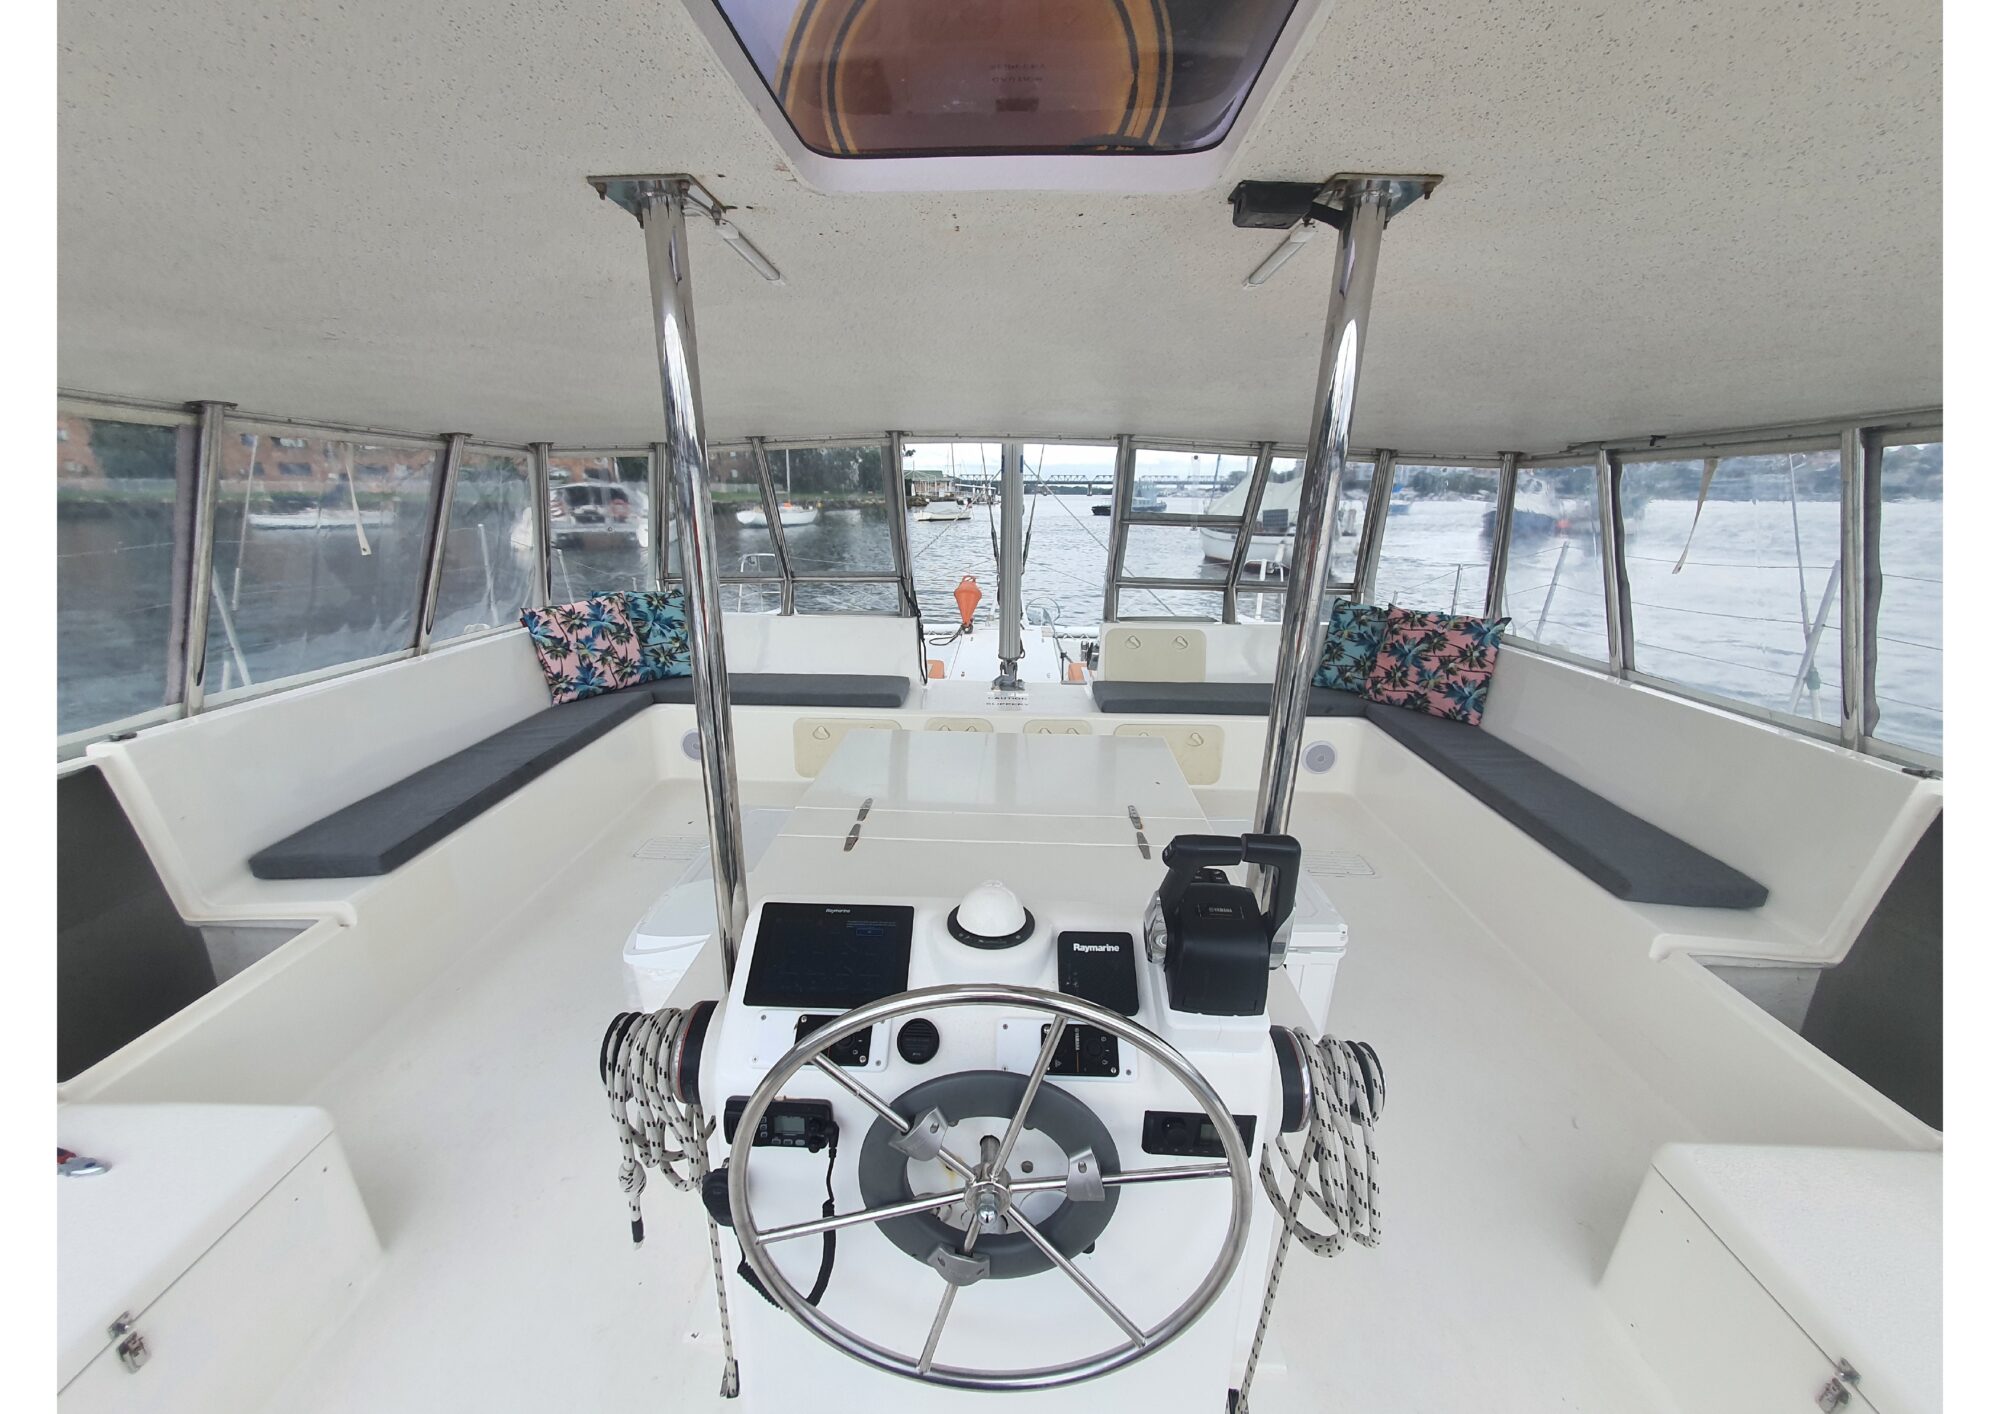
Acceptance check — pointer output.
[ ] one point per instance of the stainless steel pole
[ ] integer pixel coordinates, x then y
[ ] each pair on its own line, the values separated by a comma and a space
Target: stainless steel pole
543, 588
454, 456
1260, 475
899, 527
659, 516
1368, 206
201, 558
1503, 535
1122, 477
1617, 613
661, 208
774, 520
1853, 613
1008, 605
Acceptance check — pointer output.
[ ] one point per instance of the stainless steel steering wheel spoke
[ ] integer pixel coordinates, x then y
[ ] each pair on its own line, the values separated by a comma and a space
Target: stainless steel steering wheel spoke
1104, 1303
1172, 1173
1048, 1054
924, 1203
882, 1107
950, 1291
937, 1329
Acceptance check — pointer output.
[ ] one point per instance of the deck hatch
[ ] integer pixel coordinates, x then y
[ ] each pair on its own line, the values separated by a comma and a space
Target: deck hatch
940, 78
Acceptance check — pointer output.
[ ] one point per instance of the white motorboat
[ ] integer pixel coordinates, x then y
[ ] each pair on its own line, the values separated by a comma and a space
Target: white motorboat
789, 516
943, 508
984, 972
1277, 517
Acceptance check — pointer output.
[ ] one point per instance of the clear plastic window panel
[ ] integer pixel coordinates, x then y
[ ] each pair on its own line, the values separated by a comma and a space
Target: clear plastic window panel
1909, 622
953, 488
1554, 586
1260, 595
1069, 537
1437, 540
906, 78
867, 598
600, 524
1167, 482
488, 572
319, 552
742, 528
1737, 592
1202, 605
833, 504
117, 516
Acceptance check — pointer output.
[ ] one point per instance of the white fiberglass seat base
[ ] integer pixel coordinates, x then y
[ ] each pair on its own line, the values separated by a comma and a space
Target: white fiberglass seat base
1513, 1142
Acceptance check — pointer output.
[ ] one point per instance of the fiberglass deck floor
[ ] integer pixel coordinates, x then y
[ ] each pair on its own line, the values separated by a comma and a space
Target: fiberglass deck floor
1512, 1144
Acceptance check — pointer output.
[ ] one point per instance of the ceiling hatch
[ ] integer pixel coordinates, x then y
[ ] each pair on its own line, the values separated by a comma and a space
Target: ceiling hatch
958, 94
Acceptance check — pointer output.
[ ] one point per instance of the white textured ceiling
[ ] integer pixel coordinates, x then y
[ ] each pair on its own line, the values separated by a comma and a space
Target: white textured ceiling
1656, 217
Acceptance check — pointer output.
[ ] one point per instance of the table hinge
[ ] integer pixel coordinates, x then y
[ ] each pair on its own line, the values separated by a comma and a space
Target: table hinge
1840, 1389
131, 1347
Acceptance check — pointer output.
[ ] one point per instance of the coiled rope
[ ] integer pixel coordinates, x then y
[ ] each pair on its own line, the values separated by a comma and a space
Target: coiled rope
1336, 1169
636, 1062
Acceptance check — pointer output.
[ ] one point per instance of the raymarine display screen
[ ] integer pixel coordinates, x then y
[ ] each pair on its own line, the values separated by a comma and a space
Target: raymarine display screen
829, 956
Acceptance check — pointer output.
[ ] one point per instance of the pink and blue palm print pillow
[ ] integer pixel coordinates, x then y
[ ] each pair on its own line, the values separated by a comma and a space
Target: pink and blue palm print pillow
1436, 663
660, 618
1353, 638
584, 648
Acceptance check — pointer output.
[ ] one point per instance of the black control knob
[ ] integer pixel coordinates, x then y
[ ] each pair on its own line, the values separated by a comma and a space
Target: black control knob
917, 1042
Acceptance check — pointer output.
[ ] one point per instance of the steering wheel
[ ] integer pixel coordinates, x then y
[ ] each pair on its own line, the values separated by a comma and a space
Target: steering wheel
998, 1239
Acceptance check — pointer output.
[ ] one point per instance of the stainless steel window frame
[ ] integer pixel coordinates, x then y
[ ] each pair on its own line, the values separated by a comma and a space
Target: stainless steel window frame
234, 423
538, 522
187, 533
1875, 441
1503, 546
1877, 431
1376, 528
1125, 482
1820, 437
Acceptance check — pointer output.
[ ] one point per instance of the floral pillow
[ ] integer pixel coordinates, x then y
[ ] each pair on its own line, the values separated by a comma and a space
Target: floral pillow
659, 616
1436, 663
1353, 638
584, 648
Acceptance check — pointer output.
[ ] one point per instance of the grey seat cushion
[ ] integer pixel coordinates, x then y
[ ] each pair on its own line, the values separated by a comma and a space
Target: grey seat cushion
841, 690
1612, 847
398, 822
1213, 699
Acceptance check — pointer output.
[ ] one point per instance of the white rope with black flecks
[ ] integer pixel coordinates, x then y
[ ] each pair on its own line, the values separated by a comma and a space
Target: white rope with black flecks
657, 1131
1336, 1169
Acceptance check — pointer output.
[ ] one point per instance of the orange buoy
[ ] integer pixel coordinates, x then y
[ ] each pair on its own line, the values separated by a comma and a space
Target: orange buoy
968, 596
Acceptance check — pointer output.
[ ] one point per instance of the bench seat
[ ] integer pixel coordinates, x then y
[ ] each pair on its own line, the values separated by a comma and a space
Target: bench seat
382, 831
1212, 699
1624, 855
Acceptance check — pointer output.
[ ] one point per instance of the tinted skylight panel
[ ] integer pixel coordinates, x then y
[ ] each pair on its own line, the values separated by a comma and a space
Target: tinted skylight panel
934, 78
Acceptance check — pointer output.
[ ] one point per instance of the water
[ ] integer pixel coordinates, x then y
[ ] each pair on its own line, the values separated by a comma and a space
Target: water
1728, 622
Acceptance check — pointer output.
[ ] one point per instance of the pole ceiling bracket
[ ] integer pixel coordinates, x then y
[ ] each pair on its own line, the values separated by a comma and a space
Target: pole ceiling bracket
630, 192
1403, 188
